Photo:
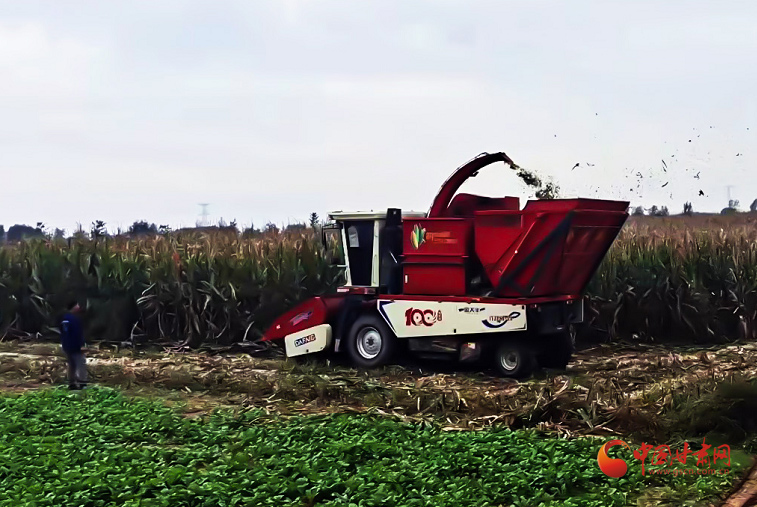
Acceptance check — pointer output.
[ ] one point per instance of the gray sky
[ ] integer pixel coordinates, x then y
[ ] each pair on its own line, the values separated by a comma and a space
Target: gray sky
270, 110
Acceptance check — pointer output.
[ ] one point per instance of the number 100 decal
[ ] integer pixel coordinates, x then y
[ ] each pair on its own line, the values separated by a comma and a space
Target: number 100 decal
418, 317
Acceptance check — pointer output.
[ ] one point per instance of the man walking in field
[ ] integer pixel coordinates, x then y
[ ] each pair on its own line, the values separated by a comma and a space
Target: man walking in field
72, 341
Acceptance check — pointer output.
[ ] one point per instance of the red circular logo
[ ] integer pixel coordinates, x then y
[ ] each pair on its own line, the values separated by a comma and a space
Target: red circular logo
614, 467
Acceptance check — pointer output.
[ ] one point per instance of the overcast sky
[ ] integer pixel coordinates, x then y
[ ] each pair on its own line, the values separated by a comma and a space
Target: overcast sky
270, 110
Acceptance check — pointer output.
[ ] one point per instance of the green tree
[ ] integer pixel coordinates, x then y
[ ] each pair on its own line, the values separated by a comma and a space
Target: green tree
142, 227
271, 228
19, 232
98, 229
662, 211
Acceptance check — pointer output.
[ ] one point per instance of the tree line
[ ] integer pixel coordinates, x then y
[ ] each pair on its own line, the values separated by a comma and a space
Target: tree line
98, 229
688, 209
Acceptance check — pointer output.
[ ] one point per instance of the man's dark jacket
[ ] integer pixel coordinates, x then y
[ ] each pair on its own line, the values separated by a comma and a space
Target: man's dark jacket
71, 333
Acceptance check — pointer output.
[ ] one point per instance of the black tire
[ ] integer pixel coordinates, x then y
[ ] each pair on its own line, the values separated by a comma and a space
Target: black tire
514, 360
370, 342
558, 350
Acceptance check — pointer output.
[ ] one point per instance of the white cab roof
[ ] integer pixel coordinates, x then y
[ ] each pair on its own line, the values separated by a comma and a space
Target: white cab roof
371, 215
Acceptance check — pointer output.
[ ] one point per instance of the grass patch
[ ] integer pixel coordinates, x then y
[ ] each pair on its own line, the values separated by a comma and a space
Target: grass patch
728, 414
98, 448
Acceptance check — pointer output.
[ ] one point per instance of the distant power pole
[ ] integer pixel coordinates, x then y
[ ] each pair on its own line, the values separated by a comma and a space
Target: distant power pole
204, 213
731, 203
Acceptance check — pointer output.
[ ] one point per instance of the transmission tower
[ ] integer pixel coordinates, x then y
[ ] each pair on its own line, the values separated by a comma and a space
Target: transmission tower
731, 202
204, 213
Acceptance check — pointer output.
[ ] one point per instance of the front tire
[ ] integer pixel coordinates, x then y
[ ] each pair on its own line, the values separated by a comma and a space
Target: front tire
370, 342
514, 360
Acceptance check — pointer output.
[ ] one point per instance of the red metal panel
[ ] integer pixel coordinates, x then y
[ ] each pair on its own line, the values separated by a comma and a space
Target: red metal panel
589, 239
477, 299
309, 313
363, 291
466, 205
537, 259
565, 205
496, 235
549, 248
435, 250
443, 277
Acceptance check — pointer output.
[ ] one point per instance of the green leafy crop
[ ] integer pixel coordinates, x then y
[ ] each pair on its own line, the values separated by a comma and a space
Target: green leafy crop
100, 448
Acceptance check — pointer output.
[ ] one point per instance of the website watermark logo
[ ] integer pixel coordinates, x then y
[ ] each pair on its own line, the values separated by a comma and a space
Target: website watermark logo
661, 459
613, 467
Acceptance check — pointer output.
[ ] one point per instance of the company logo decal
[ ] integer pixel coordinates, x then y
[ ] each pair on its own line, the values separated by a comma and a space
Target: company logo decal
417, 236
497, 321
662, 461
471, 309
299, 342
302, 317
416, 317
442, 237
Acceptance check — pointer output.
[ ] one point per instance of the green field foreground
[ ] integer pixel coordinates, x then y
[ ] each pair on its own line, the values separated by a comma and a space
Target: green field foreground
98, 447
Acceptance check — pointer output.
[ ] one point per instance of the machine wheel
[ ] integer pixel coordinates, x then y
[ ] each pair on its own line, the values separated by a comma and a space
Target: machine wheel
558, 350
370, 342
514, 360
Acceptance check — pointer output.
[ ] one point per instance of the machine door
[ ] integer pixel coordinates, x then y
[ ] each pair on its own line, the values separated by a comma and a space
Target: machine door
358, 236
332, 241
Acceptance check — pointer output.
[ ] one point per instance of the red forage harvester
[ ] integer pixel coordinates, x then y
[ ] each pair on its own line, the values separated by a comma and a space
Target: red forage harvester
475, 277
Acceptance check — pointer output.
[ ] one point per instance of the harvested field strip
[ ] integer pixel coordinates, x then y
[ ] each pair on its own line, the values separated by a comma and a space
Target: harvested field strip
99, 448
606, 391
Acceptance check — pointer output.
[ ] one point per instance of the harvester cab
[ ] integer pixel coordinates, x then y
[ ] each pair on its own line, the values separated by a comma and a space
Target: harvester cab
371, 243
473, 274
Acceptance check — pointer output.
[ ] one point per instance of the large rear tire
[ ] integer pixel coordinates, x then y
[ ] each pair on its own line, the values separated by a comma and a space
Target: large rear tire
370, 342
514, 360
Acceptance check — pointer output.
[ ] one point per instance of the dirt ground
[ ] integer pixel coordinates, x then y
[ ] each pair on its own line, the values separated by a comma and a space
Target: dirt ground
605, 390
632, 391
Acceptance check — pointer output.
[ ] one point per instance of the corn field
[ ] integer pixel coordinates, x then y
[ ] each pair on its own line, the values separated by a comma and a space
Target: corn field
687, 279
185, 289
